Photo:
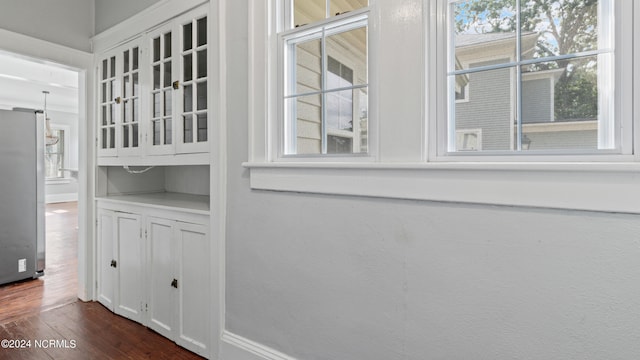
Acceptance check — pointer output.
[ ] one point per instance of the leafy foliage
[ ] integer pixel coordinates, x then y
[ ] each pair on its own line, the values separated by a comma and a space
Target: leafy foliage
563, 27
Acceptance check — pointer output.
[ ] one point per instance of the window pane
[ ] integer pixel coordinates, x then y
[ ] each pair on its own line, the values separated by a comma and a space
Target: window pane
167, 74
167, 131
187, 37
156, 49
104, 92
113, 66
202, 31
126, 111
136, 110
188, 67
167, 103
136, 85
156, 77
307, 11
157, 130
305, 113
104, 115
126, 60
340, 110
482, 28
202, 63
202, 96
188, 128
125, 86
202, 127
188, 98
135, 135
167, 45
112, 114
560, 104
134, 54
104, 69
340, 74
341, 6
491, 108
552, 28
361, 132
157, 99
339, 145
104, 138
308, 72
112, 138
125, 136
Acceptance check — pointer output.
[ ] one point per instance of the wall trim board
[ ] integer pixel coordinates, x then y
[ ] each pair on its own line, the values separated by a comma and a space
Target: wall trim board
236, 347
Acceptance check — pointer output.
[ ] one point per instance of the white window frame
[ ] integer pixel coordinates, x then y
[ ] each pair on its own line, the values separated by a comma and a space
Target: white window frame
441, 136
281, 143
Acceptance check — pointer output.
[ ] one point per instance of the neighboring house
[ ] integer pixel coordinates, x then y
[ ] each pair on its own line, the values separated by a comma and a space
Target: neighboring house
485, 105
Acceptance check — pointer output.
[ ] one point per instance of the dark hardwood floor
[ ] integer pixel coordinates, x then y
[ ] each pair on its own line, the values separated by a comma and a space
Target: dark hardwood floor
42, 318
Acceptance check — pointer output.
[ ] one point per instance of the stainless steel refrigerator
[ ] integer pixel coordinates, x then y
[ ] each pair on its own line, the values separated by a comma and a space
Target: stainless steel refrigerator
22, 228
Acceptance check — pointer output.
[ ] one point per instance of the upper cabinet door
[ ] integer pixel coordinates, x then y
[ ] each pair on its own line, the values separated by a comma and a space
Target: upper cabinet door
108, 92
119, 101
164, 83
129, 102
193, 104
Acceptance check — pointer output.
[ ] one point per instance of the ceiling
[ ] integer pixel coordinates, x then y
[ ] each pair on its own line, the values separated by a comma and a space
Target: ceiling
23, 80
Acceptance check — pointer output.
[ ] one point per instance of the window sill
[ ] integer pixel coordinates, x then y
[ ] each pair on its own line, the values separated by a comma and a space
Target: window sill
603, 187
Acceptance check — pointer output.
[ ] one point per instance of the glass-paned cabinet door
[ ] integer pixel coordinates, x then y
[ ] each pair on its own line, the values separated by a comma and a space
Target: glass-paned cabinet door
193, 104
164, 82
107, 113
129, 101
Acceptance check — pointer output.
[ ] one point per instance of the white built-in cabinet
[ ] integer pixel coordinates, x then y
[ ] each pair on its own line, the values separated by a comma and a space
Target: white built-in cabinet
154, 266
152, 179
153, 98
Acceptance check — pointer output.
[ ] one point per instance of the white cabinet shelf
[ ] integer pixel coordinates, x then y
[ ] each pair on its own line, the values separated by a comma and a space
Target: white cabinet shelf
194, 204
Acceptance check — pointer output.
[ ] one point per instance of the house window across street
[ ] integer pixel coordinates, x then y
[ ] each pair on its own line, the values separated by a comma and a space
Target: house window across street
534, 76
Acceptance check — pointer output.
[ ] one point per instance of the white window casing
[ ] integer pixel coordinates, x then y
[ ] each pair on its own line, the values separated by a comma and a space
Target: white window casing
407, 73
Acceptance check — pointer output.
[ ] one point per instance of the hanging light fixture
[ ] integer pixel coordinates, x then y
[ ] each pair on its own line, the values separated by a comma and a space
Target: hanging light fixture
50, 138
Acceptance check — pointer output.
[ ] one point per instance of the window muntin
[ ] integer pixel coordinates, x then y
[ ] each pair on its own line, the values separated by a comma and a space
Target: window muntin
497, 44
326, 84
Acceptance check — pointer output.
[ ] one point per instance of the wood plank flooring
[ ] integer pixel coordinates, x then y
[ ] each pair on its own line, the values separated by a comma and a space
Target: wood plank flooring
60, 283
45, 318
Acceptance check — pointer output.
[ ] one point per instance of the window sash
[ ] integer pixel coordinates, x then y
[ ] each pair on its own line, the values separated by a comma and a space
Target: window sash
609, 118
288, 40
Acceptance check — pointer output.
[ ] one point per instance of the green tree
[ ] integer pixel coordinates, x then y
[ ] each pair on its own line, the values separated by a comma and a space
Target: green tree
563, 27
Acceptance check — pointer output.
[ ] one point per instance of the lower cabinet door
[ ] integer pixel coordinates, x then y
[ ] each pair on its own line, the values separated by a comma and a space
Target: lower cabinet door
162, 270
131, 275
106, 258
193, 287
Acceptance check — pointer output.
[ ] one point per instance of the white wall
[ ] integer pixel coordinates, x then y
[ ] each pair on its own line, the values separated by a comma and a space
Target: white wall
330, 277
64, 22
111, 12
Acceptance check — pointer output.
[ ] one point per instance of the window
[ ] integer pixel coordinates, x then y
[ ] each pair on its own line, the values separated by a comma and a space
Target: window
532, 76
54, 157
325, 70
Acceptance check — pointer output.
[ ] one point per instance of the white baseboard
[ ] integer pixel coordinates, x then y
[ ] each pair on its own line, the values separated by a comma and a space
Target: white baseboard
57, 198
236, 347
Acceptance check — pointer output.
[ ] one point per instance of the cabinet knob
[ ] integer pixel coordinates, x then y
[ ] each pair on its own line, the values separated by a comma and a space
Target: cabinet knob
176, 85
118, 100
114, 263
174, 283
